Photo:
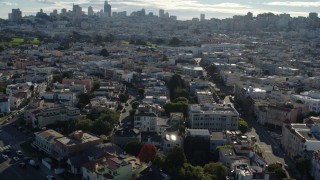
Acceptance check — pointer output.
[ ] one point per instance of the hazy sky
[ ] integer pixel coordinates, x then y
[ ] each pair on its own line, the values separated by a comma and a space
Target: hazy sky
184, 9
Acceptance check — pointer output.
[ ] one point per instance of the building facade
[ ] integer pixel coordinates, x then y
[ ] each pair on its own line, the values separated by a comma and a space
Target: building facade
213, 117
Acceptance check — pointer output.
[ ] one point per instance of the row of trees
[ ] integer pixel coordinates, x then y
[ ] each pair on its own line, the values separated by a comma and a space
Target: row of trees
175, 164
102, 125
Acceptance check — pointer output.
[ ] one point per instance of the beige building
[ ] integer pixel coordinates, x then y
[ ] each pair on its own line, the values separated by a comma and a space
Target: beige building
45, 140
78, 141
51, 115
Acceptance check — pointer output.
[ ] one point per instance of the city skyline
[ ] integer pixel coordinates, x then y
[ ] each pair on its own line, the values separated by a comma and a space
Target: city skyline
184, 9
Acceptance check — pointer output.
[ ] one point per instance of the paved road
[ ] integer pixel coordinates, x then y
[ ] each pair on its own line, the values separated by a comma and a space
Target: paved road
10, 169
266, 140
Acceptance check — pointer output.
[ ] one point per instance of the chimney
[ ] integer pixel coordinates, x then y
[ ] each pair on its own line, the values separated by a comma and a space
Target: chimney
78, 134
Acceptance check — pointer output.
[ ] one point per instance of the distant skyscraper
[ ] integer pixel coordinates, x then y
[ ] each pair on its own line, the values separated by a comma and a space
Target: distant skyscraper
55, 12
202, 17
90, 11
161, 13
63, 11
77, 11
15, 15
107, 9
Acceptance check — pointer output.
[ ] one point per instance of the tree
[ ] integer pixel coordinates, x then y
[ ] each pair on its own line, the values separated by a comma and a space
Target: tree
96, 86
159, 161
277, 169
180, 99
302, 164
216, 170
189, 172
243, 125
57, 79
84, 124
175, 158
104, 53
84, 98
174, 41
133, 147
176, 107
135, 105
66, 75
101, 127
110, 116
141, 91
123, 97
147, 153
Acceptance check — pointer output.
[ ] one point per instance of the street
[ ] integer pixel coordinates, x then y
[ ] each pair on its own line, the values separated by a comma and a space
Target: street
264, 139
10, 169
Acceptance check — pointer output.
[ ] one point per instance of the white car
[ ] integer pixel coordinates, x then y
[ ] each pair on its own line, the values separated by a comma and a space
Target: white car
15, 158
19, 153
5, 156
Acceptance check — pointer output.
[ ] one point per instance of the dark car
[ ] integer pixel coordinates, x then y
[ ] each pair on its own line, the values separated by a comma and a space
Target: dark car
22, 165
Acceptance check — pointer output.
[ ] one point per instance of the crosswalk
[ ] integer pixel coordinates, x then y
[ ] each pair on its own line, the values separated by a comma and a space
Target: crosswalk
5, 148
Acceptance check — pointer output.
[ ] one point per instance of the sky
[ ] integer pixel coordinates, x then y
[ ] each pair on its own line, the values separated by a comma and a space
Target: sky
184, 9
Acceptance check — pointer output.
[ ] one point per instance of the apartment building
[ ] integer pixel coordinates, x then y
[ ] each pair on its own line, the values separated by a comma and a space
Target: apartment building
51, 115
76, 142
214, 117
145, 118
297, 138
45, 140
310, 98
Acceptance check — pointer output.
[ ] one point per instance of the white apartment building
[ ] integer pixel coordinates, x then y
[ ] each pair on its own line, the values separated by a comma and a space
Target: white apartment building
145, 119
45, 140
214, 117
311, 98
229, 78
296, 138
255, 93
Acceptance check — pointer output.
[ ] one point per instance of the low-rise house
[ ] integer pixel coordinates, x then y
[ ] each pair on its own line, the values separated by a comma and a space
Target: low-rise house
171, 138
122, 137
217, 139
122, 167
93, 153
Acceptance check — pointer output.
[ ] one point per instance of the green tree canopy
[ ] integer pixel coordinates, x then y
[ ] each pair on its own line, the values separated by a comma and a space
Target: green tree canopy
133, 147
276, 168
104, 53
84, 124
174, 41
302, 164
216, 170
135, 105
123, 97
189, 172
243, 125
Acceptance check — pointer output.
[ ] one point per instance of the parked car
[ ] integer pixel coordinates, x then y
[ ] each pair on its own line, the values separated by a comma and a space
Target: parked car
5, 157
15, 158
22, 165
19, 153
50, 177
